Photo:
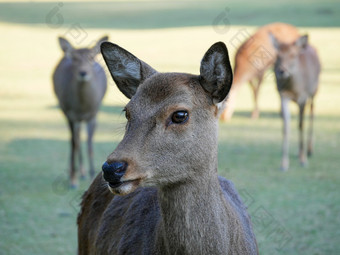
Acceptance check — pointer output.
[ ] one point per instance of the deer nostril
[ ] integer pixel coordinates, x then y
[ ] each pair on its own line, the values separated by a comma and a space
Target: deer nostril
82, 73
119, 167
114, 171
280, 72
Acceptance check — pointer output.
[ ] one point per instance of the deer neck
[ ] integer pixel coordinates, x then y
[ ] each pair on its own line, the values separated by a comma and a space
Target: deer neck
194, 217
84, 91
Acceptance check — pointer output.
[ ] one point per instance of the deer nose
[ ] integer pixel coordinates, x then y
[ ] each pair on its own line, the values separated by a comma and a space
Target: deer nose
82, 74
114, 171
282, 73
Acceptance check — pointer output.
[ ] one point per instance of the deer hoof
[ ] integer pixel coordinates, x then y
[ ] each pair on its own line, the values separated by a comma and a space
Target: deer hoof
73, 186
303, 163
284, 165
309, 153
284, 168
255, 115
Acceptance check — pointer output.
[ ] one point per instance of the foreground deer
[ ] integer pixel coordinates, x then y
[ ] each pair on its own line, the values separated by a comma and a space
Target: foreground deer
166, 166
297, 72
79, 84
252, 59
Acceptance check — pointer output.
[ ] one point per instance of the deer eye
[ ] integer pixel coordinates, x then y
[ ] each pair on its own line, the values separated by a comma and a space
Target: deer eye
180, 117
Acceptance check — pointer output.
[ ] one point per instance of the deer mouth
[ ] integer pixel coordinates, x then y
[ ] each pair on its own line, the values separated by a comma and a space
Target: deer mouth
124, 187
117, 184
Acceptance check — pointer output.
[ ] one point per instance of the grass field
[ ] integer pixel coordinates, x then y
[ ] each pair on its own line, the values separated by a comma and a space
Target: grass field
296, 212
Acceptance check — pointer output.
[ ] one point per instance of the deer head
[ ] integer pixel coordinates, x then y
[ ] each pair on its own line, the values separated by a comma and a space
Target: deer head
82, 59
171, 130
288, 56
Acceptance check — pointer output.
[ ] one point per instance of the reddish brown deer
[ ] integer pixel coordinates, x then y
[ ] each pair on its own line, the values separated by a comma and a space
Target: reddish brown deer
297, 71
166, 167
79, 84
252, 59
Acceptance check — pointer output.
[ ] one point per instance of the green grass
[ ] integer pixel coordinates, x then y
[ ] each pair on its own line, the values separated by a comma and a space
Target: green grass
165, 14
296, 212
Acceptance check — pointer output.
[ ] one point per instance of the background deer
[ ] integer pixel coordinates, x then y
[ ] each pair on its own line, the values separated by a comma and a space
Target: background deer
166, 166
252, 59
297, 71
79, 84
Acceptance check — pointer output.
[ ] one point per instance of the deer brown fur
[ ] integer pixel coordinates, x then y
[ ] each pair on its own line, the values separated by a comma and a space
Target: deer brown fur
168, 197
253, 58
79, 84
297, 71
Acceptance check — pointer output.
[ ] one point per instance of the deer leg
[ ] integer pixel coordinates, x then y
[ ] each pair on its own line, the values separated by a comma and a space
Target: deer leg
79, 151
230, 102
91, 125
286, 125
310, 131
255, 87
302, 156
74, 127
229, 105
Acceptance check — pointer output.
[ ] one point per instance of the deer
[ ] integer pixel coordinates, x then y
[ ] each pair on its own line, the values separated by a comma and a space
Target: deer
159, 191
79, 84
297, 70
253, 58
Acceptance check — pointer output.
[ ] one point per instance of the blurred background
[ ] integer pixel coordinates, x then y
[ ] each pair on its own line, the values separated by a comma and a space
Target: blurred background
293, 212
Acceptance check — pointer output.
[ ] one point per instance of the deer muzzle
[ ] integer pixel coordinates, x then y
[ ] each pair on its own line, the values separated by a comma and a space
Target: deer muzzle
114, 173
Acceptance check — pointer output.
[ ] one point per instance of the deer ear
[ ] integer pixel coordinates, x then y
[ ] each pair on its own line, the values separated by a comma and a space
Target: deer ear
127, 71
302, 41
274, 41
216, 75
65, 45
96, 48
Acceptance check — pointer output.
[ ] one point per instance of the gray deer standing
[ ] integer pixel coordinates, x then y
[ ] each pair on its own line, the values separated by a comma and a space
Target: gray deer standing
297, 71
165, 168
80, 84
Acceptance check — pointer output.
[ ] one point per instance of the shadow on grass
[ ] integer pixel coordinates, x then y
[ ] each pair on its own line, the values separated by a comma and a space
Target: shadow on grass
36, 163
110, 109
276, 115
50, 151
263, 114
165, 14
